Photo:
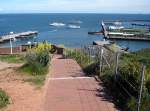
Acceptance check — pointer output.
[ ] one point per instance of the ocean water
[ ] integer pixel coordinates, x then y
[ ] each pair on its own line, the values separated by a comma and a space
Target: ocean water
63, 35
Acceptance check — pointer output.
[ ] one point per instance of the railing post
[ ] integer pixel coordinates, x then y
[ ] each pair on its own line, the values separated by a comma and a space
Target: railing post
141, 88
116, 67
100, 60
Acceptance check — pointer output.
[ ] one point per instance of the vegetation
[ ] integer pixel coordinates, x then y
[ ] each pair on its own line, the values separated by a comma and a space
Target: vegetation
86, 62
142, 56
37, 62
124, 87
4, 99
12, 58
36, 80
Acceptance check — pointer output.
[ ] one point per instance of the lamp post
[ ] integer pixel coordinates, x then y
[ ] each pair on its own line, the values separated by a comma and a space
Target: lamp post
11, 33
29, 43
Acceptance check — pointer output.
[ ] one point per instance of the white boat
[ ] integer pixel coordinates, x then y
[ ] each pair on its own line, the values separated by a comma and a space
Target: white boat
115, 27
75, 22
74, 26
57, 24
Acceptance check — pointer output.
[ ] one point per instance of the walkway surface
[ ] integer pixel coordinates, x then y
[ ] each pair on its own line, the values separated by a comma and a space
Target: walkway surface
68, 89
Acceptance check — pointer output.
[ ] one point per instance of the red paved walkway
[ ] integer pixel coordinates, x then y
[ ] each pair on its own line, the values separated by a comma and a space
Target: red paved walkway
69, 90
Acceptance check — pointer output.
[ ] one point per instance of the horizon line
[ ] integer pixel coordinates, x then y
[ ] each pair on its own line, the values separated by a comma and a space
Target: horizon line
70, 13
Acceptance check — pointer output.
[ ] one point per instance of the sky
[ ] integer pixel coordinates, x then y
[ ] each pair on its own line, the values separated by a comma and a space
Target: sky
75, 6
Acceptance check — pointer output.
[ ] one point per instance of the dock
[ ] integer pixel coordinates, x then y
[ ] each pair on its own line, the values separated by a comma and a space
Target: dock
17, 35
129, 38
124, 35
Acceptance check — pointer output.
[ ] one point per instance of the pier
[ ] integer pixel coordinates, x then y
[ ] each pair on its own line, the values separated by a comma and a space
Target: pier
96, 33
17, 35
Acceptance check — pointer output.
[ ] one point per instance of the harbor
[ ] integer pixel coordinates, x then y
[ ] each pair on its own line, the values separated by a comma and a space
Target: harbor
126, 30
90, 30
17, 35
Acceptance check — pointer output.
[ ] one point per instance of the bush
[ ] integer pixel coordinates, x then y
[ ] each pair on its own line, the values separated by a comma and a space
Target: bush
37, 59
4, 99
40, 54
41, 57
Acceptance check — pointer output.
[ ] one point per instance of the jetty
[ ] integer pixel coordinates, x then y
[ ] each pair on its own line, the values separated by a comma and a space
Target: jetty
17, 35
96, 33
119, 32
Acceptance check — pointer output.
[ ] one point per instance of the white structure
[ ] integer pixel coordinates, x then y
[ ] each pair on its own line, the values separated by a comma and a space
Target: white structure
11, 33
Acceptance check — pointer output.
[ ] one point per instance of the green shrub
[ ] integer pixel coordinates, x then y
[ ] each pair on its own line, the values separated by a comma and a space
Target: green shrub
41, 57
4, 99
40, 54
37, 59
132, 104
144, 106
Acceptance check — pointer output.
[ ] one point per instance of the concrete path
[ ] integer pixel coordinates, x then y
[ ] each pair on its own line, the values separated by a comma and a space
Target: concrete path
69, 90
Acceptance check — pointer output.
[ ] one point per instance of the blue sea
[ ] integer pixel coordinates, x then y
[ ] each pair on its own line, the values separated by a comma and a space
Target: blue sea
63, 35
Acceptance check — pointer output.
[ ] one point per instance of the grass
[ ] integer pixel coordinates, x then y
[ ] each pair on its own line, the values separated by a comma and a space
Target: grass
83, 59
142, 56
4, 99
12, 58
36, 73
34, 69
130, 70
36, 80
